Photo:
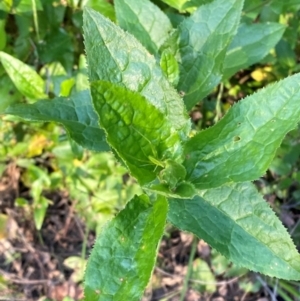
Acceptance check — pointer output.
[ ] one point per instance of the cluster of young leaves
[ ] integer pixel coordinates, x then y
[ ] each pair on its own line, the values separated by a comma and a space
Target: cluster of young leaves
144, 75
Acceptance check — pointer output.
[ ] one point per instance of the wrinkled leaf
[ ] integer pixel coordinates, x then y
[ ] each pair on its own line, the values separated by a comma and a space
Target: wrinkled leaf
170, 67
145, 21
27, 81
199, 45
138, 131
241, 146
119, 58
237, 222
124, 254
250, 45
76, 114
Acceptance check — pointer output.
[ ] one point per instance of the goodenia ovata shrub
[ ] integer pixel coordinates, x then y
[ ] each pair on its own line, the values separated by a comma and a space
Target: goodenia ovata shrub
142, 79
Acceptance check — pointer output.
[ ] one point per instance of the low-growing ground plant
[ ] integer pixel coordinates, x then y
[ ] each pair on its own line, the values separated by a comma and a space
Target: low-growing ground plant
144, 77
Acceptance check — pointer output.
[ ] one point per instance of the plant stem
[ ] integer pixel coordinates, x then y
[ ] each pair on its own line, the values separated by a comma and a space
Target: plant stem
218, 104
190, 269
40, 238
84, 244
265, 285
35, 19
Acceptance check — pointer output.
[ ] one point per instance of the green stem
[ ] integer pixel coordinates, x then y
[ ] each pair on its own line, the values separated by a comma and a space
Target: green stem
289, 288
284, 295
40, 237
218, 104
190, 269
35, 19
84, 244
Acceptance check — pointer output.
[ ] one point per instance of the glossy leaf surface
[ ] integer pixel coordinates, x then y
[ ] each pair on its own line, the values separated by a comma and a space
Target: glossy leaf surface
119, 58
124, 254
145, 21
237, 222
137, 130
27, 81
202, 41
250, 45
241, 146
76, 114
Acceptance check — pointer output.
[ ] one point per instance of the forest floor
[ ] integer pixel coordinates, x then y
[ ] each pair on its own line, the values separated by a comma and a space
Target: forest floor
32, 263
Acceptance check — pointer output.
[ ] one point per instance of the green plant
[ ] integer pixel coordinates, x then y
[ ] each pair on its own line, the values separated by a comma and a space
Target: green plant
200, 183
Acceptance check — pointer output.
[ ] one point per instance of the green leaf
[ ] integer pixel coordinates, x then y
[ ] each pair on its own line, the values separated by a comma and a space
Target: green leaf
53, 14
57, 46
2, 34
285, 55
6, 5
82, 80
124, 254
251, 44
27, 81
186, 5
202, 41
195, 3
39, 212
173, 173
170, 67
178, 4
25, 6
241, 146
202, 272
8, 93
171, 182
183, 190
139, 132
76, 114
104, 7
237, 222
119, 58
145, 21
